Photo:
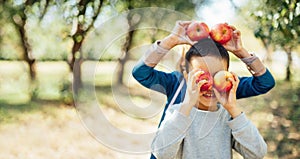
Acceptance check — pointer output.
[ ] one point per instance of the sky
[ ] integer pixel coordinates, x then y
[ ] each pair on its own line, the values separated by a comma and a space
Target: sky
219, 11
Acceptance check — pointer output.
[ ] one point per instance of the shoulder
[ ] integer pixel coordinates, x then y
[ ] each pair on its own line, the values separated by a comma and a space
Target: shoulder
176, 75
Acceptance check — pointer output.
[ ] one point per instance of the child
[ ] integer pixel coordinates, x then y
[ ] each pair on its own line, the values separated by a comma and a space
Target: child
200, 127
261, 81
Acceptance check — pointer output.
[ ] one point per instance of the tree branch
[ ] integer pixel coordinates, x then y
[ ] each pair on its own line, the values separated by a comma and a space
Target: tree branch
44, 10
95, 16
82, 3
29, 2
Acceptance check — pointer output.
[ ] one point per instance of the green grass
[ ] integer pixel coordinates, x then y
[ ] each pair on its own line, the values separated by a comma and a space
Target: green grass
13, 113
10, 113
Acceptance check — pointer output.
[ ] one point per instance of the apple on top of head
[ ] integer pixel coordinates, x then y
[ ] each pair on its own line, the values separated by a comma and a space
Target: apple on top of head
197, 31
221, 33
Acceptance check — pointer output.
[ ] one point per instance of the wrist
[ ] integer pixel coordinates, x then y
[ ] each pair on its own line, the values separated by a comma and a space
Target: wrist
254, 65
234, 112
242, 53
168, 42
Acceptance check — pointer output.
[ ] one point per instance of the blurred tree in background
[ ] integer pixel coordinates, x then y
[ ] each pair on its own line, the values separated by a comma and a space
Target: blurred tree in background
82, 15
136, 18
17, 14
277, 25
56, 30
48, 30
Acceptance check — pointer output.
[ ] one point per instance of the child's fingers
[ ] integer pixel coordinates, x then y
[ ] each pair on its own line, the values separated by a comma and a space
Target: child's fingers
189, 41
234, 83
195, 87
200, 83
236, 33
196, 74
232, 27
191, 78
191, 73
184, 23
236, 78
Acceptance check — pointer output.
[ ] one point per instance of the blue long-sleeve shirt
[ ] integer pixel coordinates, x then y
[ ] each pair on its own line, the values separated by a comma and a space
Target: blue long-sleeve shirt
167, 83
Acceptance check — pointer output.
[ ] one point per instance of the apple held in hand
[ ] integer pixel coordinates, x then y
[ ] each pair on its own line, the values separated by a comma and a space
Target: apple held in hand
208, 85
221, 33
197, 31
221, 82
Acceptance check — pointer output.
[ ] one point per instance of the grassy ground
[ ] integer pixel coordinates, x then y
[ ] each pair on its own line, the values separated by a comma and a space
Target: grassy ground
50, 129
277, 116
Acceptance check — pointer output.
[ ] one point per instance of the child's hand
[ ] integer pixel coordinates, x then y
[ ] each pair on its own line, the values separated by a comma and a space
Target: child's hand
178, 36
228, 100
234, 45
192, 91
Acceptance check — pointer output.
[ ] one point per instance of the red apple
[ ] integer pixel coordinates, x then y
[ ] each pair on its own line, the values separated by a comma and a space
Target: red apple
197, 31
208, 85
221, 33
221, 82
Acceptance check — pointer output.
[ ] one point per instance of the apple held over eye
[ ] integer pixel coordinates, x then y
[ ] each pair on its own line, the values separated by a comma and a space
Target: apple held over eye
197, 31
221, 33
221, 82
208, 85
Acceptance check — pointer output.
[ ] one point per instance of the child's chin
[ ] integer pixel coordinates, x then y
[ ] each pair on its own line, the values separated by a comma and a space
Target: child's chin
209, 101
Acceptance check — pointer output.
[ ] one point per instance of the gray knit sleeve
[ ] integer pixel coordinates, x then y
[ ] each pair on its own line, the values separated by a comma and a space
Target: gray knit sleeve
246, 138
170, 135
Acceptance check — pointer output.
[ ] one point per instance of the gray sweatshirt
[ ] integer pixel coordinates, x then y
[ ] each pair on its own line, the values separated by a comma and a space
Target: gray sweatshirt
206, 135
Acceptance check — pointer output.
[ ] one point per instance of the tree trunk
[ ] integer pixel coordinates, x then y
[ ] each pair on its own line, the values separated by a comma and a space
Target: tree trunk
289, 64
78, 38
77, 60
269, 51
77, 81
122, 60
125, 57
27, 50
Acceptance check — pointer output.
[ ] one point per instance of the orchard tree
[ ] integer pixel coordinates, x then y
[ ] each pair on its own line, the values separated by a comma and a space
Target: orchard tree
18, 13
277, 24
82, 15
134, 19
